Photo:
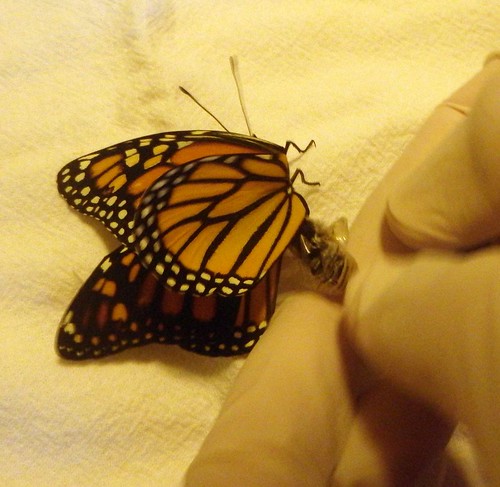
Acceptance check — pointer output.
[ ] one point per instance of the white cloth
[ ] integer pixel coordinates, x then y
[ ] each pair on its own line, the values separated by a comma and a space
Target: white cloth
77, 76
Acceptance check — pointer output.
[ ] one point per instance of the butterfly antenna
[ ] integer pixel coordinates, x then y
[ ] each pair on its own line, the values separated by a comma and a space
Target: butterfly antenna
236, 75
186, 92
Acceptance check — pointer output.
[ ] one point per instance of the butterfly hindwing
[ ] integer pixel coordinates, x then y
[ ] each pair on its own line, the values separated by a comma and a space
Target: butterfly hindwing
217, 224
123, 305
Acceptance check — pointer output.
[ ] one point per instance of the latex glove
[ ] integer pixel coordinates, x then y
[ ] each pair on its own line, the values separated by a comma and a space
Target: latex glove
429, 321
304, 411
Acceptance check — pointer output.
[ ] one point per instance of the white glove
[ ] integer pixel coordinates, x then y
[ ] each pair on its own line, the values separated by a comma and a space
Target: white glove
426, 316
307, 411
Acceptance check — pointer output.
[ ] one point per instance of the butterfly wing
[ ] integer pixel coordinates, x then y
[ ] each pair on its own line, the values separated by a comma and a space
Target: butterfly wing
123, 305
217, 225
108, 184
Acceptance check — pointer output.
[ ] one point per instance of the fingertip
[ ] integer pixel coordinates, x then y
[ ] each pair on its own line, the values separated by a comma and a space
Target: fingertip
451, 201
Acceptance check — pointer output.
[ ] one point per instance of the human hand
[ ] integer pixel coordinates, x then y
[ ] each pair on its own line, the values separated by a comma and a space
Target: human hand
424, 313
304, 410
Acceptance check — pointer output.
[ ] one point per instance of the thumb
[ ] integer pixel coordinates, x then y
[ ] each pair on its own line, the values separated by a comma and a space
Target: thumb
452, 199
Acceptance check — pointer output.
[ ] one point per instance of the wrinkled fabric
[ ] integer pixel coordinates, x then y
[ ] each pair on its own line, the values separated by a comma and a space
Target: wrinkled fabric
77, 76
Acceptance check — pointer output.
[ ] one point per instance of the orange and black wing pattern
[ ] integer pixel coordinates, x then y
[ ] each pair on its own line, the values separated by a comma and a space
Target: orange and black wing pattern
108, 184
123, 305
216, 225
203, 218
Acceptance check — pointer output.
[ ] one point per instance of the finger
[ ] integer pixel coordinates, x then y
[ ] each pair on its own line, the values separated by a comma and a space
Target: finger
435, 331
372, 243
367, 238
452, 200
395, 440
370, 239
289, 412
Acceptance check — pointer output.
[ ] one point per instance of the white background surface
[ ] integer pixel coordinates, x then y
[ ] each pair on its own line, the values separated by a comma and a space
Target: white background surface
357, 76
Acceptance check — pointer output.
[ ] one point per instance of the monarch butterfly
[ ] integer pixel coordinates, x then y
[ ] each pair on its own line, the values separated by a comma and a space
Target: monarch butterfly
203, 218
